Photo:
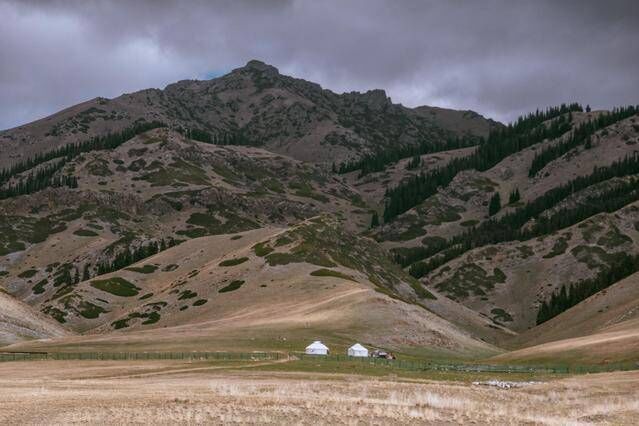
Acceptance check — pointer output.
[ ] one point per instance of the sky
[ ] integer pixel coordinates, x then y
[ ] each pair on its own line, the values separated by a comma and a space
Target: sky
501, 58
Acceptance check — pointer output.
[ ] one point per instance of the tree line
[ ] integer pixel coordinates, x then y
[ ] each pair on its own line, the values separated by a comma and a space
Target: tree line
43, 178
70, 151
581, 135
570, 295
131, 255
46, 177
378, 161
123, 259
223, 138
501, 143
508, 227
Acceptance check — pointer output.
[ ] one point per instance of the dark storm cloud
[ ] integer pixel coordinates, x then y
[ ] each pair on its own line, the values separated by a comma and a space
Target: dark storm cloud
500, 58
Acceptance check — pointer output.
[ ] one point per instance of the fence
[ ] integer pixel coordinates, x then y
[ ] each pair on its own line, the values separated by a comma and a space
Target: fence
132, 356
410, 365
475, 368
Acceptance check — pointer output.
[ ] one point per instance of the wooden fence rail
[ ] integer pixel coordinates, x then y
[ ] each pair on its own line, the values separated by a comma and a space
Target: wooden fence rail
411, 365
113, 356
475, 368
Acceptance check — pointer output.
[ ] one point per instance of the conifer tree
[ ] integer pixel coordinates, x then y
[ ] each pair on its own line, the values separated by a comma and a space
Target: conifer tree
414, 162
514, 196
374, 220
48, 175
379, 160
571, 294
501, 142
509, 226
581, 135
86, 274
495, 204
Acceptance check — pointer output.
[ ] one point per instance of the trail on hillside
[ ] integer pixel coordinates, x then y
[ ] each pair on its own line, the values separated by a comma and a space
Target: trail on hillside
191, 369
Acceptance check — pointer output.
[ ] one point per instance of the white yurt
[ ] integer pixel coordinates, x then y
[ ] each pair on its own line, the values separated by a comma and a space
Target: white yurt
357, 350
317, 348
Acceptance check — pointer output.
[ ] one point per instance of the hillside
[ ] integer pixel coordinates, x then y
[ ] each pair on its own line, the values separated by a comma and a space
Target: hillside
160, 191
263, 210
19, 322
508, 282
571, 221
616, 344
253, 105
605, 310
155, 190
261, 287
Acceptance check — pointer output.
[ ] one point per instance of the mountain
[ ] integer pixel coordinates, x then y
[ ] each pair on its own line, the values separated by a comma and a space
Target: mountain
254, 105
258, 210
162, 192
573, 225
261, 286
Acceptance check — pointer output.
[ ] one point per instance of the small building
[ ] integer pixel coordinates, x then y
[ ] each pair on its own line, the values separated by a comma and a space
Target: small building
317, 348
358, 351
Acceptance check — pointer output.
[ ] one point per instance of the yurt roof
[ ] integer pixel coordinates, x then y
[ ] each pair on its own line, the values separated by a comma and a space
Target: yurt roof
317, 345
358, 347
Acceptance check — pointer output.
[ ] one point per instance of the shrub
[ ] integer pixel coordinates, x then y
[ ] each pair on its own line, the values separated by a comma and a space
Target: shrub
90, 311
275, 259
39, 287
233, 262
330, 273
234, 285
28, 273
146, 269
262, 249
85, 233
117, 286
187, 294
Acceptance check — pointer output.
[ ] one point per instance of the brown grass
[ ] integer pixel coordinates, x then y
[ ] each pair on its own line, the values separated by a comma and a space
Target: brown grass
125, 392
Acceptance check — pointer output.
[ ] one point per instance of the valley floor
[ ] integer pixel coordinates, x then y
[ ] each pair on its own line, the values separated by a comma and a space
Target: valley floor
169, 392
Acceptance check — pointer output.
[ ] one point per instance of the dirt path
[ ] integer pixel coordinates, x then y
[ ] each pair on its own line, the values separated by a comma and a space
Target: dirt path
238, 366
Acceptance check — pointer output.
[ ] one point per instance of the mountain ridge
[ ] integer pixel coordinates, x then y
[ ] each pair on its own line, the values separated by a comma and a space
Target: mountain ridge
281, 188
285, 114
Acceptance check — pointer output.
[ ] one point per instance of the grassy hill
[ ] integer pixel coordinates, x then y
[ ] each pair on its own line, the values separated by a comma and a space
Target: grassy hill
606, 309
260, 210
19, 322
267, 288
615, 344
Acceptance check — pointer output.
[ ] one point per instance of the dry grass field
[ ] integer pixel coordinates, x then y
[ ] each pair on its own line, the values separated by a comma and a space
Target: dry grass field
250, 239
161, 392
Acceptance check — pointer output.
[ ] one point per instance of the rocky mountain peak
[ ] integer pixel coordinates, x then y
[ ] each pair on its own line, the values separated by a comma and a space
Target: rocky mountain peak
376, 98
258, 66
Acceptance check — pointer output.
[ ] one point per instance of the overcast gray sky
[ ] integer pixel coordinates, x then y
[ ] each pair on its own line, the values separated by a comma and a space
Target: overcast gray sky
500, 58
